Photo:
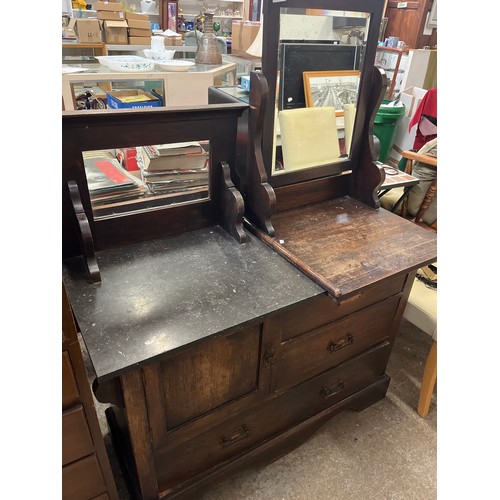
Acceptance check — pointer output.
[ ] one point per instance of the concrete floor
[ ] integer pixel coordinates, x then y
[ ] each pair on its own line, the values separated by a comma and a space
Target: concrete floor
384, 452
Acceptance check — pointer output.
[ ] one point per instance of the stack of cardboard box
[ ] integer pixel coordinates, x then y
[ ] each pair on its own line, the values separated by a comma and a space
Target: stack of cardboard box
139, 28
112, 16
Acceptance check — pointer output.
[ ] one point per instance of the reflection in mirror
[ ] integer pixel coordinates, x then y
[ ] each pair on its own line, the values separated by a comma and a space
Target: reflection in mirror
320, 58
127, 180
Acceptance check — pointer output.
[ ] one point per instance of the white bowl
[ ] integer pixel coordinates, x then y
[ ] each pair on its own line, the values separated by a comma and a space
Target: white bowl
176, 65
127, 64
159, 55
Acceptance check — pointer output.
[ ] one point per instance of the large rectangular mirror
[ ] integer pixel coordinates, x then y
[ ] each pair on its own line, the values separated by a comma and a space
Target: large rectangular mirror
315, 56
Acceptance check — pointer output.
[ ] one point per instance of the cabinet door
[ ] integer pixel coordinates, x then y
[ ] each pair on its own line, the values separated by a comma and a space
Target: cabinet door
201, 379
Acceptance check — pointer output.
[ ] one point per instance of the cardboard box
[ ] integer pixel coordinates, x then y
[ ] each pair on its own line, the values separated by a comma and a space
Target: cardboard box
139, 40
411, 98
116, 99
88, 30
173, 40
140, 24
116, 32
138, 32
243, 35
109, 6
135, 16
105, 15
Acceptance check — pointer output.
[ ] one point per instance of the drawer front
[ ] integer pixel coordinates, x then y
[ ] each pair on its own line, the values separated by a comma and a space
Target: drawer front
76, 437
104, 496
69, 388
310, 354
322, 310
180, 461
82, 480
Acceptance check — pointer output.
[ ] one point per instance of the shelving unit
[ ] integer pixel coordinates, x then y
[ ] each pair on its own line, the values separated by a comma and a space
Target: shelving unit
393, 62
227, 11
179, 88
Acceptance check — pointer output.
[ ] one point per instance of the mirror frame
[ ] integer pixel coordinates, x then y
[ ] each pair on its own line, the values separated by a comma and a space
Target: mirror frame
270, 44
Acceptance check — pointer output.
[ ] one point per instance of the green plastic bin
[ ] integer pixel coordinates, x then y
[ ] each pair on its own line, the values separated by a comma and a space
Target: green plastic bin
385, 125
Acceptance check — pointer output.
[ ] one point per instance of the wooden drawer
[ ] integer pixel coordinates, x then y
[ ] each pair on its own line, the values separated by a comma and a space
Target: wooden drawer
70, 393
310, 354
322, 310
104, 496
76, 437
82, 480
180, 460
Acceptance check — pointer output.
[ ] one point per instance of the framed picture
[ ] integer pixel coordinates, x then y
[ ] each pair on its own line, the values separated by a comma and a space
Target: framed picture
169, 15
331, 88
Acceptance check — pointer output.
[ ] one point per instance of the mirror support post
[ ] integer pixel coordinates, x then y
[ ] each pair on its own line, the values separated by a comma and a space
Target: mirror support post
367, 178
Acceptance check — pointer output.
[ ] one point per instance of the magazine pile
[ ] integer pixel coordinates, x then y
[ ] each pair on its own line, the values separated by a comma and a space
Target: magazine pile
174, 168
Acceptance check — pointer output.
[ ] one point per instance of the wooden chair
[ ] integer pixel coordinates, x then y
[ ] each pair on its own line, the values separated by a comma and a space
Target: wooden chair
421, 311
419, 203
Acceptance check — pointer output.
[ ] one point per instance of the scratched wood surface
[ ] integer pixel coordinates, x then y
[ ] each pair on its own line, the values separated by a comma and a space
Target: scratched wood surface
352, 245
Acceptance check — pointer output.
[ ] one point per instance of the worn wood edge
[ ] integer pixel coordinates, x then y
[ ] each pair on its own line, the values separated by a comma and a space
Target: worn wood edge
85, 235
296, 261
279, 445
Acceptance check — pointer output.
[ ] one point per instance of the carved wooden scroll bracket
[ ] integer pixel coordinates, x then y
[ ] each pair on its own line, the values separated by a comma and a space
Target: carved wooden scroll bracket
232, 206
368, 177
85, 235
260, 197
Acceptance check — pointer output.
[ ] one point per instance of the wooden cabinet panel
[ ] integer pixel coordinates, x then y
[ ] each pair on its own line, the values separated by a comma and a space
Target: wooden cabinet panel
330, 345
322, 310
76, 438
209, 375
82, 480
69, 387
178, 462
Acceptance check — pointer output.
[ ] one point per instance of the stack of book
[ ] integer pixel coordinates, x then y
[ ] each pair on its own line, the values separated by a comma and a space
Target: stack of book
108, 181
174, 168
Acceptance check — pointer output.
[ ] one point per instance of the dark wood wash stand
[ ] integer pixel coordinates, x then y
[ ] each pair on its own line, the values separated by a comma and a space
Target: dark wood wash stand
223, 341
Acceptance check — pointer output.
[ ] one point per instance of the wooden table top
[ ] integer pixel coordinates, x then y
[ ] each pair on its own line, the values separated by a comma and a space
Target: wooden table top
350, 245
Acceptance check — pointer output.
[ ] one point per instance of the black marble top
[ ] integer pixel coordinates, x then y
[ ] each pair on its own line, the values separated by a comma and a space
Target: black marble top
161, 295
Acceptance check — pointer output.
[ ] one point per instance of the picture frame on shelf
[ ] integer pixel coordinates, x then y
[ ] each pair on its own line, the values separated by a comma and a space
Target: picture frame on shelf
169, 15
331, 88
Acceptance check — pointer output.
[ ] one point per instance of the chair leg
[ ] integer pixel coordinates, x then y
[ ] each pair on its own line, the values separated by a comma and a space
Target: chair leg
428, 381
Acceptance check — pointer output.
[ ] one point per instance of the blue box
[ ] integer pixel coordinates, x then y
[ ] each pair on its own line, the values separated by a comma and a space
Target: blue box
245, 83
115, 102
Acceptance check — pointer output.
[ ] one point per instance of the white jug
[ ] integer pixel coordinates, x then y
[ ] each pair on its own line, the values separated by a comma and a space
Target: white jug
148, 6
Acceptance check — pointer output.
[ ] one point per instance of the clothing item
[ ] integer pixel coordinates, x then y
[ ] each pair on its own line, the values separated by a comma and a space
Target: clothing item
425, 118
